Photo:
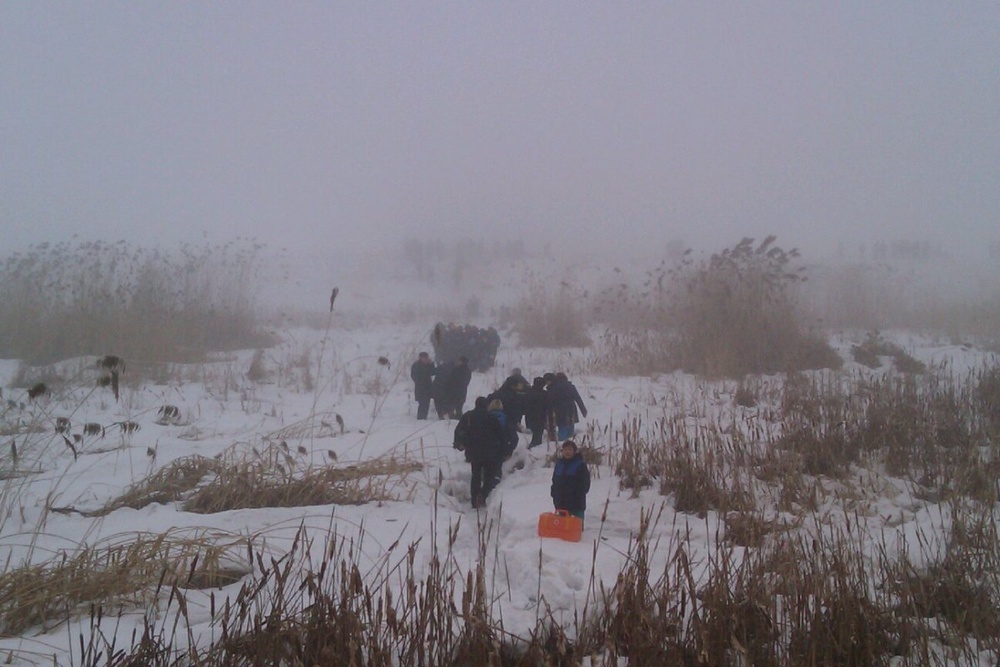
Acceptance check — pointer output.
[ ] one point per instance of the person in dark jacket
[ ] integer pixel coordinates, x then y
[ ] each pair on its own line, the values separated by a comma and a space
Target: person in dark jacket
422, 373
460, 441
458, 385
441, 389
570, 481
550, 424
563, 402
536, 410
480, 436
513, 392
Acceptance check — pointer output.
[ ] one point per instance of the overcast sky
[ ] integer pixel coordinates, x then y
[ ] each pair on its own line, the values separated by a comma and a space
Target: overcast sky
326, 124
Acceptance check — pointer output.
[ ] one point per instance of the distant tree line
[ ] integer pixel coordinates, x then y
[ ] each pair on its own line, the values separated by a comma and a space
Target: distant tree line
437, 259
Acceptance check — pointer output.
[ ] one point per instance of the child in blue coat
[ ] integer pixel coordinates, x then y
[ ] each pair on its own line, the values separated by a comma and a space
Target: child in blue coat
570, 481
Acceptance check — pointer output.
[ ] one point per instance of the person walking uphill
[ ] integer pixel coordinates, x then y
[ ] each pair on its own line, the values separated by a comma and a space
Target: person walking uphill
441, 390
536, 411
570, 481
514, 393
563, 401
422, 373
458, 385
480, 435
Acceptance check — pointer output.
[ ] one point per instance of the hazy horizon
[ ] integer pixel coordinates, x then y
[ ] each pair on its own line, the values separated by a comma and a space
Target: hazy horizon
584, 125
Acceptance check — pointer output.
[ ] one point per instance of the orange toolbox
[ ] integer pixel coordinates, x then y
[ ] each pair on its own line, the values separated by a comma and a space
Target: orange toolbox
560, 524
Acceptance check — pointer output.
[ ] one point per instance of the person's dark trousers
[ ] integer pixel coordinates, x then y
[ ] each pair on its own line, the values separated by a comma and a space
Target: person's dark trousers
491, 476
477, 484
446, 410
423, 406
536, 437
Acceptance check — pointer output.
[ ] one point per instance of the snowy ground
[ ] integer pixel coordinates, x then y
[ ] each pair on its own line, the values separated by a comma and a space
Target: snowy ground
298, 389
221, 408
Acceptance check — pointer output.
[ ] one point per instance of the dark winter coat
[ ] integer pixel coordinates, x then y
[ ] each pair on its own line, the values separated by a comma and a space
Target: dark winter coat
458, 383
482, 436
563, 401
509, 430
460, 440
423, 379
441, 386
513, 393
570, 484
536, 407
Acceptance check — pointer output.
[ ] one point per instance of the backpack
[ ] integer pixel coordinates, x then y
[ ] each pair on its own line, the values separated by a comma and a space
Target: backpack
461, 439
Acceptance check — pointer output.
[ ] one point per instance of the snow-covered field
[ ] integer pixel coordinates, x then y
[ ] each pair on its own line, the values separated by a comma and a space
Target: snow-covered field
324, 398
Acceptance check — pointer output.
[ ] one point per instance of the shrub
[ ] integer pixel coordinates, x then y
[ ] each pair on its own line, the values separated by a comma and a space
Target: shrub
746, 395
734, 314
956, 299
62, 301
727, 316
545, 318
874, 347
987, 398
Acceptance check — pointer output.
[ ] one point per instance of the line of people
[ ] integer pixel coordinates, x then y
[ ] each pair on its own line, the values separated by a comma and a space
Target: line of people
488, 434
550, 404
480, 434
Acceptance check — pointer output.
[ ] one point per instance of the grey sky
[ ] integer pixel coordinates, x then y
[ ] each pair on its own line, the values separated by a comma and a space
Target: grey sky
327, 123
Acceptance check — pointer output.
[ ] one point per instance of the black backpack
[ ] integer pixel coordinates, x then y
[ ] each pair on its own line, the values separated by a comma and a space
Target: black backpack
461, 439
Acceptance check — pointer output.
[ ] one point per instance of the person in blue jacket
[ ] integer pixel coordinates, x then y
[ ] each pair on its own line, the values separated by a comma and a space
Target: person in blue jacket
570, 481
510, 437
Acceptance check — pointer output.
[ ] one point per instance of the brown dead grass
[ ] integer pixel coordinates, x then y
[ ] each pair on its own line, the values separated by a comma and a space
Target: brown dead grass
128, 572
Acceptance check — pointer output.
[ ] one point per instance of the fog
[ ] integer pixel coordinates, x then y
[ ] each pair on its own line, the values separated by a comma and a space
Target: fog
589, 126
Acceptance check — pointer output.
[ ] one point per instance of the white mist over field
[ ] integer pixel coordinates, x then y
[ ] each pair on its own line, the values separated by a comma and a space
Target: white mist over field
589, 127
385, 278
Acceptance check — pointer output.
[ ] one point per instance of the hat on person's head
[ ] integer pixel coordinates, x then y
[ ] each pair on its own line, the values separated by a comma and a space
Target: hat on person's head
515, 371
496, 404
571, 445
424, 355
480, 401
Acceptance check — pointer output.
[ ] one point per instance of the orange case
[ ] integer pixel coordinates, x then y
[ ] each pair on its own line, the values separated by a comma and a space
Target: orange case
560, 524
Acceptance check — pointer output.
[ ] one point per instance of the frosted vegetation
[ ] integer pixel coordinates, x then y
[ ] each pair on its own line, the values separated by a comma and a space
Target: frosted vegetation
204, 461
60, 301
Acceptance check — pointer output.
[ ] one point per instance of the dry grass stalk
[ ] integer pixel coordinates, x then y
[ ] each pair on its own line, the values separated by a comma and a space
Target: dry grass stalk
275, 479
169, 484
124, 574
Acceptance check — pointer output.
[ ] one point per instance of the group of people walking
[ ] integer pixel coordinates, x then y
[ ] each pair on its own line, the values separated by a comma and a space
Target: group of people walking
478, 346
480, 433
446, 384
488, 435
550, 404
